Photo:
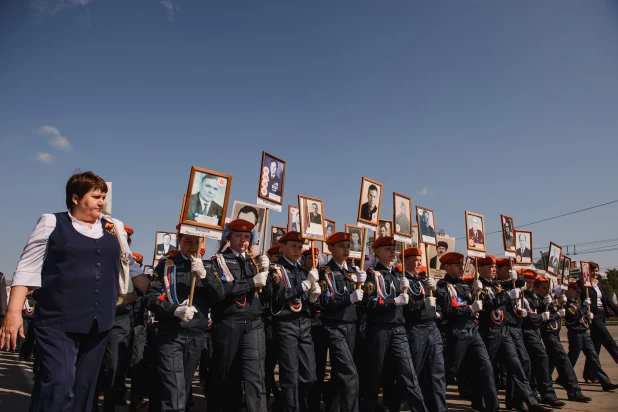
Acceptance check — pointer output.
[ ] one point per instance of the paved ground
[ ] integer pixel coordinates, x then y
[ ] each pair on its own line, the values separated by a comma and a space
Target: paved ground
16, 381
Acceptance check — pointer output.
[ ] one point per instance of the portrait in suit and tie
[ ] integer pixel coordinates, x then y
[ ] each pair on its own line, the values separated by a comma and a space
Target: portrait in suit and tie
164, 243
426, 225
206, 203
356, 244
566, 270
293, 219
475, 231
311, 222
524, 246
272, 177
507, 233
553, 259
369, 202
402, 214
251, 213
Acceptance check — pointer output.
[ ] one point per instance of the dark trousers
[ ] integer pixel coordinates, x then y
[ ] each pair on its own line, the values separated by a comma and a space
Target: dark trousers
558, 359
179, 353
539, 364
341, 339
68, 366
524, 360
270, 363
465, 342
26, 345
389, 342
238, 353
600, 337
139, 365
296, 363
320, 349
116, 362
580, 341
426, 348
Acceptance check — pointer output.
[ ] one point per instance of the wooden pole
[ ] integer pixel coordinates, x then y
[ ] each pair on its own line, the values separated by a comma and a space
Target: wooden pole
313, 254
361, 266
476, 276
403, 265
193, 279
427, 267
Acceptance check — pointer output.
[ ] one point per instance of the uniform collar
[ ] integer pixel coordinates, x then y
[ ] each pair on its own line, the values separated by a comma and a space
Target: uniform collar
452, 279
236, 254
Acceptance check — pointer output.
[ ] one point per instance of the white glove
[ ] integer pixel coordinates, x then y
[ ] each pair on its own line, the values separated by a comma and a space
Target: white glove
431, 282
523, 313
512, 275
438, 315
185, 313
312, 278
547, 300
404, 283
477, 306
263, 263
514, 293
357, 296
587, 302
476, 286
197, 266
361, 276
314, 292
259, 280
562, 300
545, 316
561, 313
430, 302
402, 299
590, 316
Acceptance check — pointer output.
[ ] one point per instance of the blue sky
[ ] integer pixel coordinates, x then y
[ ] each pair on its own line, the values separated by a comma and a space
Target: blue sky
492, 107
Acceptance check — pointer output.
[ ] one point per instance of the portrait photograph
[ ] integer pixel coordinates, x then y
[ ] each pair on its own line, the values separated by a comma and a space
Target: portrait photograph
426, 225
356, 244
164, 242
251, 213
524, 246
402, 214
207, 199
585, 270
415, 235
553, 259
370, 201
508, 231
148, 270
385, 228
566, 270
330, 227
272, 177
311, 218
293, 219
445, 244
475, 232
276, 233
469, 266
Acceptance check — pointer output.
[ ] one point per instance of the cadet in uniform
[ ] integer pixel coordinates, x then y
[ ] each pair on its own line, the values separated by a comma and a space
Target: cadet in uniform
550, 333
423, 334
494, 330
459, 309
181, 328
238, 329
577, 319
272, 349
387, 341
294, 290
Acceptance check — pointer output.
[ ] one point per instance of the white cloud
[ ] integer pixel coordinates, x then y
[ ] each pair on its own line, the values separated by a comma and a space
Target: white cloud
170, 8
424, 192
44, 158
57, 139
52, 7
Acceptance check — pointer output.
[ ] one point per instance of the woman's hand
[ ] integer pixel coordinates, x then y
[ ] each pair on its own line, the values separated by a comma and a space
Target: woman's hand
13, 324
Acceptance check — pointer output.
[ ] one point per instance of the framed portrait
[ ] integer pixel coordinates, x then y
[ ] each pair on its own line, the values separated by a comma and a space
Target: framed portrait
330, 227
207, 199
385, 228
311, 218
469, 266
585, 271
272, 178
164, 243
369, 201
445, 244
523, 253
402, 214
251, 213
508, 230
293, 219
553, 259
566, 270
414, 230
426, 225
148, 270
356, 244
475, 232
276, 233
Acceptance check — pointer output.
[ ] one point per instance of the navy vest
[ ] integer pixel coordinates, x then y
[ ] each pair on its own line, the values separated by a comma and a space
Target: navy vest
79, 280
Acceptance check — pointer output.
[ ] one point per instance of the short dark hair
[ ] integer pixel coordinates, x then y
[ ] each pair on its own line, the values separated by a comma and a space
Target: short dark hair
593, 266
443, 244
207, 176
372, 187
81, 183
167, 234
248, 209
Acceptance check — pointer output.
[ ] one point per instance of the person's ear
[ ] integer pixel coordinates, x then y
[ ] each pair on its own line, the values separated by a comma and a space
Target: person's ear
75, 199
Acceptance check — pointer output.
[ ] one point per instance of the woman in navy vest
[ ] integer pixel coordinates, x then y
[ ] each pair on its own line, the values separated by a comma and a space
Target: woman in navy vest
73, 259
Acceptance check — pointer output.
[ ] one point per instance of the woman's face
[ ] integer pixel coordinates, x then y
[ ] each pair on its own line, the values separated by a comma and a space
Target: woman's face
594, 273
90, 206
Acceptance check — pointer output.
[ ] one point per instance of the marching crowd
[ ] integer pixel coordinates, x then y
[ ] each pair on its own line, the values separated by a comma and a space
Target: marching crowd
388, 329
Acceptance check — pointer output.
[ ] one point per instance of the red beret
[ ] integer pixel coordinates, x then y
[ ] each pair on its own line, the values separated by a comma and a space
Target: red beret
487, 260
423, 270
129, 230
307, 252
383, 241
573, 285
540, 279
338, 237
292, 237
451, 257
503, 262
240, 225
138, 257
412, 251
468, 278
528, 274
274, 250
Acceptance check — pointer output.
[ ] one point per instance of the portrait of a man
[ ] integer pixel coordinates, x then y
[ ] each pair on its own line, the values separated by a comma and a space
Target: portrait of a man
566, 270
475, 233
507, 233
311, 224
251, 213
277, 233
524, 251
271, 178
167, 245
553, 262
427, 226
330, 227
314, 215
384, 229
403, 220
293, 219
414, 236
369, 205
441, 249
203, 206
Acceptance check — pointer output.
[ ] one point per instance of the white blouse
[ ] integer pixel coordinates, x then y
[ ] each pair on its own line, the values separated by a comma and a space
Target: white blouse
30, 265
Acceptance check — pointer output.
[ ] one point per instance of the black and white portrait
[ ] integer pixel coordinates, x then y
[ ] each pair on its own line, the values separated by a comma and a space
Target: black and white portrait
426, 225
311, 222
272, 178
251, 213
524, 246
293, 219
276, 233
356, 243
207, 198
553, 259
165, 242
402, 214
415, 235
331, 227
369, 203
384, 229
507, 233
